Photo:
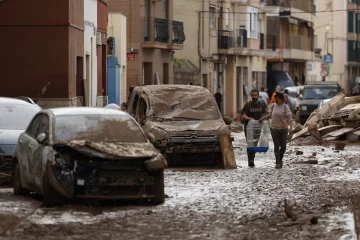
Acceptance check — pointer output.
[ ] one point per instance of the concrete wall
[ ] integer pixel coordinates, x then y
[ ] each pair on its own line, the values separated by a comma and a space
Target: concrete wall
117, 29
49, 27
90, 16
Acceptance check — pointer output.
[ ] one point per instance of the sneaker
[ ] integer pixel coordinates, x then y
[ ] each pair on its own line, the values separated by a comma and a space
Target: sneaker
251, 164
278, 166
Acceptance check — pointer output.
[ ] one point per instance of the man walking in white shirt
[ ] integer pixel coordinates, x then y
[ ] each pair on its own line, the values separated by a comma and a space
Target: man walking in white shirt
264, 95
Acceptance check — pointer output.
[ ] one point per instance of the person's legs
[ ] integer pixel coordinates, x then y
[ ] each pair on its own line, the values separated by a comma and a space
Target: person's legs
283, 138
251, 155
275, 134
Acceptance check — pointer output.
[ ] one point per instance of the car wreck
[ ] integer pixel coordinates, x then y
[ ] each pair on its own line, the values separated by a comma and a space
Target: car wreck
184, 124
88, 153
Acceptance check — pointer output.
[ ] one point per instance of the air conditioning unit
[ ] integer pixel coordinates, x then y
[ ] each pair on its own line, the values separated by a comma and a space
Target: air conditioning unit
98, 39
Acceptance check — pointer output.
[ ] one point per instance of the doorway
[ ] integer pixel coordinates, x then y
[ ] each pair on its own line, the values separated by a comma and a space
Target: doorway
148, 73
205, 80
165, 73
87, 80
80, 80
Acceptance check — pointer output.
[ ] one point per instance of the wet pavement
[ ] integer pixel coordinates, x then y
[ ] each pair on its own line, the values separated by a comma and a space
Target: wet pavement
214, 204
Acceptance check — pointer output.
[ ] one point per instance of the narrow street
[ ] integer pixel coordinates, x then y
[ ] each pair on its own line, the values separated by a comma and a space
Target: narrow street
213, 204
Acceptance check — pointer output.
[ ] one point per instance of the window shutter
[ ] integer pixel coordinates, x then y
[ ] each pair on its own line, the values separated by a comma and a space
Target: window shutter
350, 21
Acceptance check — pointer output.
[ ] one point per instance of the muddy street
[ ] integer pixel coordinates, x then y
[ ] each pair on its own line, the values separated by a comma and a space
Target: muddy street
213, 204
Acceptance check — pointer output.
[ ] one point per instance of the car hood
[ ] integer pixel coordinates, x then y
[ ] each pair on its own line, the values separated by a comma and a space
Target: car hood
110, 150
8, 141
193, 125
310, 102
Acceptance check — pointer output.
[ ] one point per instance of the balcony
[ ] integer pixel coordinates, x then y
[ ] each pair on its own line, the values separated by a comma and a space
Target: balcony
299, 43
163, 34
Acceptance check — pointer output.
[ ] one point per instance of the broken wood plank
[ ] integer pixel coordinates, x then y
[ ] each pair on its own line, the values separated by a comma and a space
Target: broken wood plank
353, 136
313, 130
339, 132
227, 151
351, 107
299, 134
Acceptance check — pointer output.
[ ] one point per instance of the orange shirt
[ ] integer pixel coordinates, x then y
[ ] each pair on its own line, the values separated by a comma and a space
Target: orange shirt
273, 98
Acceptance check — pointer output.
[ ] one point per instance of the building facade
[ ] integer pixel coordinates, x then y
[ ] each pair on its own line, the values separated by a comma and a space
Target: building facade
117, 31
226, 41
152, 38
49, 65
90, 52
101, 49
337, 35
290, 38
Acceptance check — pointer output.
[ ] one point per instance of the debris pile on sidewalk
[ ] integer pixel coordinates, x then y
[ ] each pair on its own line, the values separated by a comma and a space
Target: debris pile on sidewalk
337, 120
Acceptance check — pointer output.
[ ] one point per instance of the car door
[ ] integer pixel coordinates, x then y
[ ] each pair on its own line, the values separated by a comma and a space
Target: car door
23, 153
36, 150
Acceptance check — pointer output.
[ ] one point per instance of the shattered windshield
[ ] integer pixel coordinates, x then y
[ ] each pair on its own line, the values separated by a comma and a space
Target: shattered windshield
184, 104
97, 128
320, 93
16, 117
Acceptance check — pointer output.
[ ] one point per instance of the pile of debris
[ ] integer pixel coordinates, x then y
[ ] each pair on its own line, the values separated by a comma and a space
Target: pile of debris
338, 119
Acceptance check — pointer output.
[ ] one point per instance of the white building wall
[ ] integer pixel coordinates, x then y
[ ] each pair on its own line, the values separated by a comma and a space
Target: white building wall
117, 30
90, 22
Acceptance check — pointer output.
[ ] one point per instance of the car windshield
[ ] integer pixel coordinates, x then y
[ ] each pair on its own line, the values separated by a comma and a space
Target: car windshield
184, 104
283, 79
17, 117
320, 92
97, 128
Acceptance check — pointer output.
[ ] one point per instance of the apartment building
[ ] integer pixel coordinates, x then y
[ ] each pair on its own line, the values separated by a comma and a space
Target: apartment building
226, 41
337, 35
290, 38
152, 38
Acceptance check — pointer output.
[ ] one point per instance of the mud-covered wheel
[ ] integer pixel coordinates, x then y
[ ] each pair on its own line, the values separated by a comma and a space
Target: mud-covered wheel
51, 197
16, 180
158, 188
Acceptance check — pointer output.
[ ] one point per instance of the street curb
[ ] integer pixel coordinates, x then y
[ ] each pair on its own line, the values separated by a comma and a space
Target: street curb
356, 212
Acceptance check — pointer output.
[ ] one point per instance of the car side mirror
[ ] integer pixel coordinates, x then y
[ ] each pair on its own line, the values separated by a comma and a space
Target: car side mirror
41, 138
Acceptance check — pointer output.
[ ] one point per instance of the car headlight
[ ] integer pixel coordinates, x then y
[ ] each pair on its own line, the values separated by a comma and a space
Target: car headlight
304, 108
223, 130
159, 133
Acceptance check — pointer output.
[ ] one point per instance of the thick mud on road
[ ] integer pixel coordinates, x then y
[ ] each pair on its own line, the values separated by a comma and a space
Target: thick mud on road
213, 204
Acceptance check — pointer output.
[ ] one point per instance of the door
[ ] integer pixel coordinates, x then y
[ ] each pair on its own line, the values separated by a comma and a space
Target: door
37, 149
165, 73
24, 151
148, 73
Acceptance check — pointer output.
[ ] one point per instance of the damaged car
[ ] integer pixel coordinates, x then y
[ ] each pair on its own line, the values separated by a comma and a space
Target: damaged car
184, 123
88, 153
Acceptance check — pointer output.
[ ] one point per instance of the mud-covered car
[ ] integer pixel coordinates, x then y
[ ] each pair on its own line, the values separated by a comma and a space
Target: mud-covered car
15, 116
90, 153
184, 123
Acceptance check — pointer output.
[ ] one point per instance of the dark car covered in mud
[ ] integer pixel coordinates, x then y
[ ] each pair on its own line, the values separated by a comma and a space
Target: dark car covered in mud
89, 153
184, 123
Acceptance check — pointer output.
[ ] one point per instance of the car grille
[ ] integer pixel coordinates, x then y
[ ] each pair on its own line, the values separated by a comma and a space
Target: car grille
194, 138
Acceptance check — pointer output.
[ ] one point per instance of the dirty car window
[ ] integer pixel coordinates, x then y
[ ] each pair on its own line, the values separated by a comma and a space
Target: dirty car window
97, 128
16, 117
320, 93
184, 103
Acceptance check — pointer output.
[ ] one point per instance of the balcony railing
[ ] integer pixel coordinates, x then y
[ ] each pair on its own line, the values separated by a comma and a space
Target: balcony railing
225, 39
303, 5
291, 42
241, 38
159, 30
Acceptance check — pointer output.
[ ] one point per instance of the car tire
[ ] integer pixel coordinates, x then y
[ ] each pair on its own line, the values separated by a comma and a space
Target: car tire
51, 197
158, 188
16, 181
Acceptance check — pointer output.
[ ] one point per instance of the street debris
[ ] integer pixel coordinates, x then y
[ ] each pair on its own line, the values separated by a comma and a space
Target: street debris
338, 119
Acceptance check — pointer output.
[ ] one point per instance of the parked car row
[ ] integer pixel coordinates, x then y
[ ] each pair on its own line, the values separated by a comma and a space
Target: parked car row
101, 153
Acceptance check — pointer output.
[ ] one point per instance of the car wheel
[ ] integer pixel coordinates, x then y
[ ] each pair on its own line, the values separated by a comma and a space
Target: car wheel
51, 197
18, 189
158, 188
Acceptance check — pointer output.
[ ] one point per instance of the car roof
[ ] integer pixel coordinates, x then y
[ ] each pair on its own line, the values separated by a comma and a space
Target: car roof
85, 110
15, 101
321, 85
294, 88
158, 88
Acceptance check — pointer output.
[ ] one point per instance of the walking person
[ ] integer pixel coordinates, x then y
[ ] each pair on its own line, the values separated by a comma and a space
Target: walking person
281, 118
218, 98
264, 95
252, 110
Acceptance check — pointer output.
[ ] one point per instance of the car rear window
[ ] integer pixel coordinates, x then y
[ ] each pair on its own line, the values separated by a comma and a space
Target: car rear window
321, 92
16, 117
97, 128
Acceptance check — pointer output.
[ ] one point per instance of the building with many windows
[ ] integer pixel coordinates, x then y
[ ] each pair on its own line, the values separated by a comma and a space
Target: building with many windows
338, 34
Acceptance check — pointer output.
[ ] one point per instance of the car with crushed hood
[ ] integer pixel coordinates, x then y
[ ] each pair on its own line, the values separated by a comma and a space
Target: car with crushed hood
184, 123
15, 116
88, 153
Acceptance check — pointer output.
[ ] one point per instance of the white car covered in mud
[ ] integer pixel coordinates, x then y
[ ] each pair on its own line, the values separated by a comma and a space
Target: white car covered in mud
91, 153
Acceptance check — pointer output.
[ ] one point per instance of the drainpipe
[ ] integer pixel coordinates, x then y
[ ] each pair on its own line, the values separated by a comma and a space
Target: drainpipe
199, 47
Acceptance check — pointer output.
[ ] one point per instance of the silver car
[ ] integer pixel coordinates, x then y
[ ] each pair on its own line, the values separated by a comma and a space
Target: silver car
91, 153
15, 116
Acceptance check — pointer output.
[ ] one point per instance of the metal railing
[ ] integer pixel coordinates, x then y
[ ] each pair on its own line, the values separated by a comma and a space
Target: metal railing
225, 39
299, 42
303, 5
163, 31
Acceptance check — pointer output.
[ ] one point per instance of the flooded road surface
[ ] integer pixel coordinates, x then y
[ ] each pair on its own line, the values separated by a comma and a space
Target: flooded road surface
214, 204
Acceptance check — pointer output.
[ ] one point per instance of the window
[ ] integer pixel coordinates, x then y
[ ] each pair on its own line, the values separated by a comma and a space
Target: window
34, 126
252, 22
212, 17
165, 9
352, 51
44, 125
315, 41
314, 9
351, 21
